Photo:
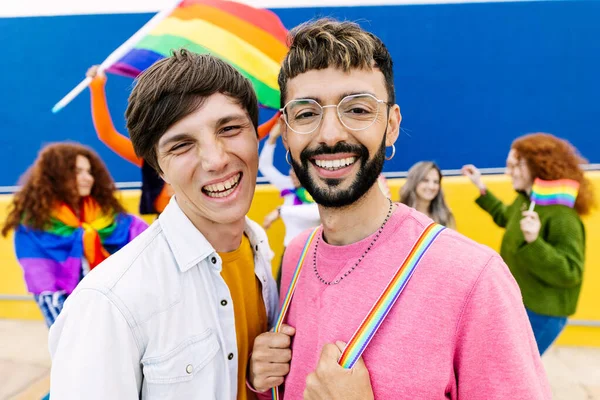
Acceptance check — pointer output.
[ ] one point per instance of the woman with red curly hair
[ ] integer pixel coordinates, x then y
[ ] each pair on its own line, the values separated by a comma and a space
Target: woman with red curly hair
66, 220
545, 248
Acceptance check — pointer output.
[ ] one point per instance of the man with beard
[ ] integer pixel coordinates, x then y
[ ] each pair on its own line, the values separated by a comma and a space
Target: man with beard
458, 330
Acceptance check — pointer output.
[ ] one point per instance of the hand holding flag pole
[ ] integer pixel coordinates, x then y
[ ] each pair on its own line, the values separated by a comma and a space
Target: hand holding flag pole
117, 54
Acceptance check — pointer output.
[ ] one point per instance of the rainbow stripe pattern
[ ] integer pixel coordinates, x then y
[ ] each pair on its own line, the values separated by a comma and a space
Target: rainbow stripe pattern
252, 40
365, 332
561, 191
301, 195
290, 293
51, 259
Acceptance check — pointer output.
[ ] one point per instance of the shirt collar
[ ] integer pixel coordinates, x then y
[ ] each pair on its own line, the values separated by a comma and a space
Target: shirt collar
188, 244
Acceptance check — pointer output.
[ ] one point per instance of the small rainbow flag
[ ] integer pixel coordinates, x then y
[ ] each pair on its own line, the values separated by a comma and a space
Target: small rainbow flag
561, 191
252, 40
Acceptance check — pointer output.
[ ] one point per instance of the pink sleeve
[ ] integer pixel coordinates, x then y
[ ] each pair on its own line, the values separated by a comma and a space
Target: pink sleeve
496, 356
260, 396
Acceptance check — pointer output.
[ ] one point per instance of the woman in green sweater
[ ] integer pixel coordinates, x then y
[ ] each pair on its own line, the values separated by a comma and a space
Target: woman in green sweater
544, 248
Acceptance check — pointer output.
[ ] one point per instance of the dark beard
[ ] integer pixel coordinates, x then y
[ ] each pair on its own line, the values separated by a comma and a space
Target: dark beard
365, 178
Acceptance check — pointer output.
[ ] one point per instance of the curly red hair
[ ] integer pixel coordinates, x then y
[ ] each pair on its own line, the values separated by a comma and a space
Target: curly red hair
550, 158
52, 179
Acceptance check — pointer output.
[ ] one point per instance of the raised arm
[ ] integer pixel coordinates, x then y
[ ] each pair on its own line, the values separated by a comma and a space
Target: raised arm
493, 206
105, 128
487, 201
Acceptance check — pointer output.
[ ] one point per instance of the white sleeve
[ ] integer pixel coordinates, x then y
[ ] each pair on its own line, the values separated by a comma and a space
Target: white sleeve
94, 354
304, 211
268, 170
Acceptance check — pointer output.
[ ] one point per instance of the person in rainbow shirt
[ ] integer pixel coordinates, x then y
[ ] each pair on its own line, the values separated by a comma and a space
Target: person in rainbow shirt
66, 220
459, 330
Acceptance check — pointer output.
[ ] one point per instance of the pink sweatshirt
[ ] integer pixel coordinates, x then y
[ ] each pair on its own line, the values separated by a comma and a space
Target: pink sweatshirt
458, 331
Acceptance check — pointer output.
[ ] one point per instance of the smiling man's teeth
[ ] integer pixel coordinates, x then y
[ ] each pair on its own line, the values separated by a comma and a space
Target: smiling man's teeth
335, 164
222, 189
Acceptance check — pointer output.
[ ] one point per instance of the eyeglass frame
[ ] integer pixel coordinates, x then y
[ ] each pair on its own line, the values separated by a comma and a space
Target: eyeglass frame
379, 101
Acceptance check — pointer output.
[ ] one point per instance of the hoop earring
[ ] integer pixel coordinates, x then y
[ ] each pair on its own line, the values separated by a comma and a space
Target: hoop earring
287, 158
393, 153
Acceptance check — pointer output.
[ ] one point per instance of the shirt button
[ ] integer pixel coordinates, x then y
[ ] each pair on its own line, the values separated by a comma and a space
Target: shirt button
230, 356
256, 247
213, 260
223, 303
189, 368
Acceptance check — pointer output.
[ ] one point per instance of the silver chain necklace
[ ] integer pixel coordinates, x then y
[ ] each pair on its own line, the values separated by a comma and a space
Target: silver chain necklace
369, 247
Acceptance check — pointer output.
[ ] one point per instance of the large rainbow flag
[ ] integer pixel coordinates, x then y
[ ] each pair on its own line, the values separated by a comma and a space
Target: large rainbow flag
252, 40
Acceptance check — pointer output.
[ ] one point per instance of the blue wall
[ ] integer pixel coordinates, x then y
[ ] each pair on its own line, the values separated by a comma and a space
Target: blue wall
469, 78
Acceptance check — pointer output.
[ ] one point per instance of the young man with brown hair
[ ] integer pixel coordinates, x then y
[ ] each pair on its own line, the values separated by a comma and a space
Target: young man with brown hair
459, 329
174, 314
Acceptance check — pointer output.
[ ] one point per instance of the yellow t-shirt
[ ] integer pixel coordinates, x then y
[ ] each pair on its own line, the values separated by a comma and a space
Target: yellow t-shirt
248, 306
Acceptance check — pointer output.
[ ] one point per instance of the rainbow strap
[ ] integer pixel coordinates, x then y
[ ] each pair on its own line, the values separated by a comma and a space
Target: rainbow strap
292, 288
365, 332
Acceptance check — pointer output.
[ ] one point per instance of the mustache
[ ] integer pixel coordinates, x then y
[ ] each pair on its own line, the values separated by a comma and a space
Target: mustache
341, 147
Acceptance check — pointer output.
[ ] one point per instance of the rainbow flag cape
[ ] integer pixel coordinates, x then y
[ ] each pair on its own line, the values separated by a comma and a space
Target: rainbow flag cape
52, 258
252, 40
561, 191
301, 195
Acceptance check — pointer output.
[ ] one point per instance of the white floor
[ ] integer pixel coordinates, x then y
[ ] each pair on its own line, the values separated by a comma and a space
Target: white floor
574, 373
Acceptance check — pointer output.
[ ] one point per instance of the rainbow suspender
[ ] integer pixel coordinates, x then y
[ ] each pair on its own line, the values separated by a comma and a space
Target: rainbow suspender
365, 332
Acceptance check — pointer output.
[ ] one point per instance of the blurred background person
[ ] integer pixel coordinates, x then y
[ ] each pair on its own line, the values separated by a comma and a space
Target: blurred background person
299, 211
155, 193
66, 220
423, 192
544, 248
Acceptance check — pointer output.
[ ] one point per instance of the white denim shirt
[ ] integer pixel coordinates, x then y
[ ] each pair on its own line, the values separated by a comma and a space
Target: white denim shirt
155, 320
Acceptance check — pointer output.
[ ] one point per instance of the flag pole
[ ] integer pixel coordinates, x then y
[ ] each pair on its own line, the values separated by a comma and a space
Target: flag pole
117, 54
